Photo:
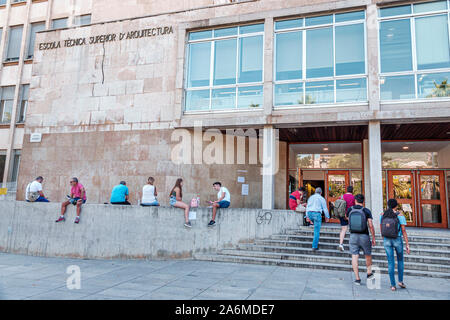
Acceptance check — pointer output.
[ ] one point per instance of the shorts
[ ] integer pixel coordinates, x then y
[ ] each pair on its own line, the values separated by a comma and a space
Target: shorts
172, 201
224, 204
151, 204
74, 201
343, 221
360, 241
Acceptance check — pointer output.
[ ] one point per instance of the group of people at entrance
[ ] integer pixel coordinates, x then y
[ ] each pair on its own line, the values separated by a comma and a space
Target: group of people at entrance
354, 216
120, 196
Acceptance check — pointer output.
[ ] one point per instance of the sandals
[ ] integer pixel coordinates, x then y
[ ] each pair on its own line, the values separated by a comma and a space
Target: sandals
402, 285
393, 288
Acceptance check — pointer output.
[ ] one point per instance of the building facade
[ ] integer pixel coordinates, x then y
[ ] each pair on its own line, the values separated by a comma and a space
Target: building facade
264, 96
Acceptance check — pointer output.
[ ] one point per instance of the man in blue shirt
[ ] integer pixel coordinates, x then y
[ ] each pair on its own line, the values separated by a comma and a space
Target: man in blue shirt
119, 194
317, 204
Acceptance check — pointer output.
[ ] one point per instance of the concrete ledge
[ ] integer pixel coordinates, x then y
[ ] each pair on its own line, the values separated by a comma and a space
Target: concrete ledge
111, 232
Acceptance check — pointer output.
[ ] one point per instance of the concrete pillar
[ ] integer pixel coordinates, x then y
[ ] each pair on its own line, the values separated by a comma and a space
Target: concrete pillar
269, 159
268, 66
375, 171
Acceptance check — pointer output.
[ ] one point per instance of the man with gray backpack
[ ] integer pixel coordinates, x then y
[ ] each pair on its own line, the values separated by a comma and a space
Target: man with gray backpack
360, 221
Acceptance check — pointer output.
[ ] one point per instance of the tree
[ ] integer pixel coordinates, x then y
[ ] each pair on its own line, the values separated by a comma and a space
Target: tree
440, 90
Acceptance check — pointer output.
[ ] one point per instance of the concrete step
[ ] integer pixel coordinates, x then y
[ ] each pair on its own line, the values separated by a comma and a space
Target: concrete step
331, 259
411, 238
417, 258
426, 249
328, 239
306, 264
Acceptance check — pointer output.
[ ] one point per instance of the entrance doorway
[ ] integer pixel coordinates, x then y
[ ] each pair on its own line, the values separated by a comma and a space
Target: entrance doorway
421, 196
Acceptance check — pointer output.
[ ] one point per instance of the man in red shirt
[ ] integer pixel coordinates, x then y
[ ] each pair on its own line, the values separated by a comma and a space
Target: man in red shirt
350, 200
77, 198
296, 198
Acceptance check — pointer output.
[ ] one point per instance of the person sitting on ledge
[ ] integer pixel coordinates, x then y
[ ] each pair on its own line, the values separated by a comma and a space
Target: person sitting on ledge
223, 201
149, 194
77, 198
176, 201
34, 191
120, 194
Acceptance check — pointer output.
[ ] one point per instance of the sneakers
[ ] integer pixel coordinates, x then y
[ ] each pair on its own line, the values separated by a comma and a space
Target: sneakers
61, 218
212, 223
370, 276
188, 224
315, 249
77, 220
341, 247
357, 282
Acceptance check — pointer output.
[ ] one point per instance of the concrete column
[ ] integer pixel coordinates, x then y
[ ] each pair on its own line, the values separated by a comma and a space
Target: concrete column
268, 66
269, 167
366, 156
372, 57
375, 170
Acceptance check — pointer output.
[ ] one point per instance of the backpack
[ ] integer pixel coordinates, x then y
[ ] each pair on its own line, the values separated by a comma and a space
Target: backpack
32, 196
357, 220
340, 207
195, 202
390, 227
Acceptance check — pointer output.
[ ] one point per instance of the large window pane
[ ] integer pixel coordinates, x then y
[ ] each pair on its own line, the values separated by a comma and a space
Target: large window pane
225, 62
197, 100
395, 46
250, 97
319, 53
350, 57
289, 55
224, 98
251, 28
23, 103
288, 24
15, 39
434, 85
319, 92
14, 169
351, 90
35, 27
250, 59
6, 104
349, 16
313, 21
226, 32
199, 64
59, 23
432, 42
2, 163
430, 6
288, 94
396, 88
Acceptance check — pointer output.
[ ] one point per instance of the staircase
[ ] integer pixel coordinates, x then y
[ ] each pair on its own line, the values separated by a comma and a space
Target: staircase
430, 252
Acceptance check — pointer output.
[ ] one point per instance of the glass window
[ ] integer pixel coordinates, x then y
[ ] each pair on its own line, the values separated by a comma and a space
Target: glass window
351, 90
395, 11
288, 24
197, 100
59, 23
250, 97
349, 16
430, 6
225, 62
288, 94
395, 46
433, 85
314, 21
289, 55
200, 35
319, 53
350, 49
82, 20
1, 34
6, 104
432, 42
15, 168
251, 28
2, 163
15, 40
2, 2
35, 27
199, 64
24, 92
250, 59
224, 98
225, 32
319, 92
397, 87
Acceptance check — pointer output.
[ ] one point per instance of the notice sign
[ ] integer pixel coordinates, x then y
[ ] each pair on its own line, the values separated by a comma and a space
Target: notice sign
36, 137
245, 189
3, 191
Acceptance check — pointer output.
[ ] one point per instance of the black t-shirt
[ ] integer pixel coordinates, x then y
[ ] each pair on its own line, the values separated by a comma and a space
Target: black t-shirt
366, 211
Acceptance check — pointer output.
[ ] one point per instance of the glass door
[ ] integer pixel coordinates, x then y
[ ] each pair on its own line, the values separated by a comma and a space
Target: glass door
433, 212
337, 182
401, 188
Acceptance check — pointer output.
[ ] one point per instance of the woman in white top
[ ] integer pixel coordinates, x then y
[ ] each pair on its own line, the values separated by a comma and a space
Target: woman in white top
149, 194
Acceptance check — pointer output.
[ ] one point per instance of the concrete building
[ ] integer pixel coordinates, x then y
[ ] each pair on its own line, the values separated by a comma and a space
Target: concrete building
329, 93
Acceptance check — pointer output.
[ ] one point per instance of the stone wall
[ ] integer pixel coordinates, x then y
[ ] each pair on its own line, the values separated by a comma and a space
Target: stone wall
107, 232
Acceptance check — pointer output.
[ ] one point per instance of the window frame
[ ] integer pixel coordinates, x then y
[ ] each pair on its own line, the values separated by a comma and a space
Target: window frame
304, 80
211, 85
414, 72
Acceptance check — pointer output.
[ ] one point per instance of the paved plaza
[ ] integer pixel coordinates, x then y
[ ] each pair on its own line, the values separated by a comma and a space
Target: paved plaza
38, 278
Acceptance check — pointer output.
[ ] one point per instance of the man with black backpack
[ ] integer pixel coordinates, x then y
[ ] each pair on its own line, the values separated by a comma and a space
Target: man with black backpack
360, 221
